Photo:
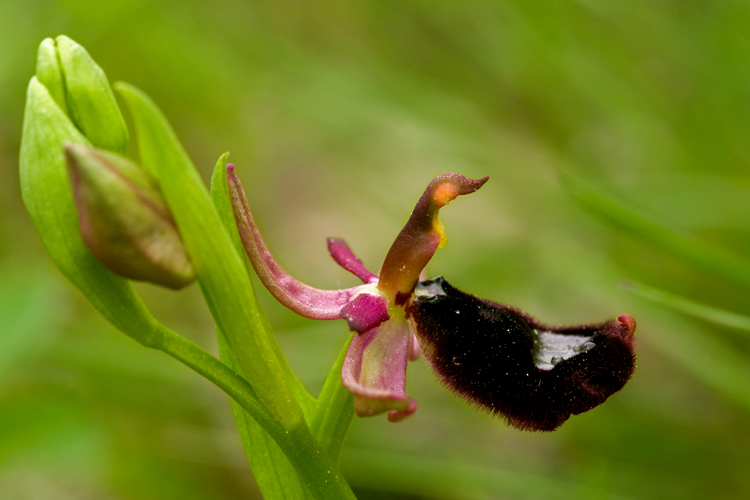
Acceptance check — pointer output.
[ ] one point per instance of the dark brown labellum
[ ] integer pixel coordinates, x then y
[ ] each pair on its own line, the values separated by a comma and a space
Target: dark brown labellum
502, 360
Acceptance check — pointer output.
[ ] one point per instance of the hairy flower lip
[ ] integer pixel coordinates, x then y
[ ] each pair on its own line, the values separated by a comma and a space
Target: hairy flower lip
500, 359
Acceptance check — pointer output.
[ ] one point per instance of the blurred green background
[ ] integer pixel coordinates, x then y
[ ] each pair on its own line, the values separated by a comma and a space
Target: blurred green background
337, 114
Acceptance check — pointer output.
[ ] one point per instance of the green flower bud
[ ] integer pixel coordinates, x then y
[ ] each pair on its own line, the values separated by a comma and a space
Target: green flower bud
124, 219
50, 74
90, 101
81, 90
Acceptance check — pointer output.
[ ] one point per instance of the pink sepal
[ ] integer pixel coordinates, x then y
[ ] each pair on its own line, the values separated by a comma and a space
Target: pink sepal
303, 299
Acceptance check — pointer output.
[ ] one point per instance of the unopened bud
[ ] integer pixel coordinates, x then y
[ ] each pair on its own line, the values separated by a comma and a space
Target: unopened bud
81, 89
124, 219
50, 73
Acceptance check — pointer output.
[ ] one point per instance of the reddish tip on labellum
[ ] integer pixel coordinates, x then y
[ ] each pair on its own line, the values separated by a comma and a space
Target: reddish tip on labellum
629, 322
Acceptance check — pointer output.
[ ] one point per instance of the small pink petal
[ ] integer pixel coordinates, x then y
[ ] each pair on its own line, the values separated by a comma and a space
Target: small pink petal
344, 257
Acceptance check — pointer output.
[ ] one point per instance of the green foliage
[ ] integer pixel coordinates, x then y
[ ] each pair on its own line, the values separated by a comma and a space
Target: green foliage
48, 134
357, 105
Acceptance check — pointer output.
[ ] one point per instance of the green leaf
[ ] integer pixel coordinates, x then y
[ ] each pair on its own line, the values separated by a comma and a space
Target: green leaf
220, 197
715, 362
335, 409
693, 308
713, 259
90, 100
710, 359
227, 289
274, 474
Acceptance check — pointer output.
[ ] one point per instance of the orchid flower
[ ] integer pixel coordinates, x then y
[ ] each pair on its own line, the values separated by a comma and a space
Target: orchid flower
496, 357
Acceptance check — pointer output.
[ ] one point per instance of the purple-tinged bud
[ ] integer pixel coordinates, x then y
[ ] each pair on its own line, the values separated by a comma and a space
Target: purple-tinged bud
500, 359
124, 219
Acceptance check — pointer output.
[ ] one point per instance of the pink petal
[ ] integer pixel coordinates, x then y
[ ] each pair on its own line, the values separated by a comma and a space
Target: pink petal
344, 257
375, 370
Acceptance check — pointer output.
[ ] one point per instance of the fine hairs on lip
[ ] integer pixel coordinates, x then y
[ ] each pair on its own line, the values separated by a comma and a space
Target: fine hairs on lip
484, 352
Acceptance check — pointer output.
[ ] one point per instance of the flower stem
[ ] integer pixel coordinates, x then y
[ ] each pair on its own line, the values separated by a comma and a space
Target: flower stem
334, 410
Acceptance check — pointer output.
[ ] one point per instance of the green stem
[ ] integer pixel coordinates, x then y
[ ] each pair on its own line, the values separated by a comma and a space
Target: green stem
334, 410
203, 363
303, 451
